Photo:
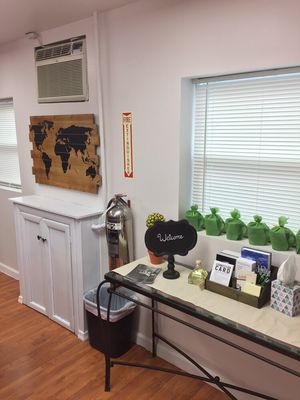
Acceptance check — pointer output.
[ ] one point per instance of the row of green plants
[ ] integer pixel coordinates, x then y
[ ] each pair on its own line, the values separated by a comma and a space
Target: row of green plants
257, 232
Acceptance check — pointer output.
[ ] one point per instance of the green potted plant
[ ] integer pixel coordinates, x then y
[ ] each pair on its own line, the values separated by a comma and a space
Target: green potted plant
150, 221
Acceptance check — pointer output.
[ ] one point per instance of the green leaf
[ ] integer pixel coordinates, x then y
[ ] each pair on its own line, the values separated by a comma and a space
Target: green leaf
257, 218
282, 220
235, 214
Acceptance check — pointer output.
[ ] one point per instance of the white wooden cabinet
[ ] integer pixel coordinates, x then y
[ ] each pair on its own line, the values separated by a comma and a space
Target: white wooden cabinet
58, 258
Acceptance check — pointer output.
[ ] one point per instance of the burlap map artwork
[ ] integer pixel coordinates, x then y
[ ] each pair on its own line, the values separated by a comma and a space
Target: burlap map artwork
64, 151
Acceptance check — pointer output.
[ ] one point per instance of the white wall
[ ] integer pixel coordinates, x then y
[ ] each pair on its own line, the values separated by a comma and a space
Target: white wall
150, 47
147, 48
18, 80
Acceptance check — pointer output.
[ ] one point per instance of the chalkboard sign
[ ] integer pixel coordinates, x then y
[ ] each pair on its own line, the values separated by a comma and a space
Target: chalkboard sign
170, 238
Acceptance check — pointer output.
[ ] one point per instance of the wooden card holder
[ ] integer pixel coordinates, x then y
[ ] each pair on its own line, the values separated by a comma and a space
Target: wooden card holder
243, 297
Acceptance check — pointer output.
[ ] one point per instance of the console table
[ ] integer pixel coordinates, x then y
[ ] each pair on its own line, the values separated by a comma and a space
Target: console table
265, 326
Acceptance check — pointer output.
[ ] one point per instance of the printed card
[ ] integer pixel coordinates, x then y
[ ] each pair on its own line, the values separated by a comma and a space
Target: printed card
221, 272
246, 276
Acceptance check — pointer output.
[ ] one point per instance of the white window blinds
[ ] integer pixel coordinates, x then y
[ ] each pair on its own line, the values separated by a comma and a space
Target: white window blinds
246, 147
9, 161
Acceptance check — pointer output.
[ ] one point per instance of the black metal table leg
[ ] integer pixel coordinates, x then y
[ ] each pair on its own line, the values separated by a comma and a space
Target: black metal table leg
153, 328
107, 373
107, 347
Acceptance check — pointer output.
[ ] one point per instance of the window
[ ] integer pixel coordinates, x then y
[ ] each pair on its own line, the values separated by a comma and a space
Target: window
9, 161
246, 145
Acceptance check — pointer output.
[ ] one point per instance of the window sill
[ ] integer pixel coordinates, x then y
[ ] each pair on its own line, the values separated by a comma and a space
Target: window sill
10, 189
208, 246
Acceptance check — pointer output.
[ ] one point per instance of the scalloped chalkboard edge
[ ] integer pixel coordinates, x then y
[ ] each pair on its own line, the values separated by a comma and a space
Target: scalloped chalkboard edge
187, 228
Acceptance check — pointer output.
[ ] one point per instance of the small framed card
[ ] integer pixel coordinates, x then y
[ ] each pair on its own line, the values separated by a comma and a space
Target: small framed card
246, 276
221, 272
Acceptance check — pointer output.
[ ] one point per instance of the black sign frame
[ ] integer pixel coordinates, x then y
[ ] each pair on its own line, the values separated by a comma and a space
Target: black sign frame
170, 238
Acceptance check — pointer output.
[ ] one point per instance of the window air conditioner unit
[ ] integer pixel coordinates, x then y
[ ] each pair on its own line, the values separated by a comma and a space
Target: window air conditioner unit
62, 71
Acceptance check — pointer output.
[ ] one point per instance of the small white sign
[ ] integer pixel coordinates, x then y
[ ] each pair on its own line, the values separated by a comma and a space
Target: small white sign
127, 145
221, 272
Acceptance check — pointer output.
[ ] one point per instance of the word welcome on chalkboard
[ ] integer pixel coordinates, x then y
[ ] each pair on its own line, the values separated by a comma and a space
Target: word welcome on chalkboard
172, 237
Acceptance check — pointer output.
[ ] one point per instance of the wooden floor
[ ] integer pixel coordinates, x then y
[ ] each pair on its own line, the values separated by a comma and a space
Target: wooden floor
41, 360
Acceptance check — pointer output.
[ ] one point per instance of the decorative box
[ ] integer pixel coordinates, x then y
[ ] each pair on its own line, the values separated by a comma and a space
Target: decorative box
285, 299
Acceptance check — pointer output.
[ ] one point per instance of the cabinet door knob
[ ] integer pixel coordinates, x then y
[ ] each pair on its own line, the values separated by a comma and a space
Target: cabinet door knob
41, 238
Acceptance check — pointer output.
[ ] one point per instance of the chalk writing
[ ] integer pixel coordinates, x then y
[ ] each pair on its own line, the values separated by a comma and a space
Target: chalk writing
167, 238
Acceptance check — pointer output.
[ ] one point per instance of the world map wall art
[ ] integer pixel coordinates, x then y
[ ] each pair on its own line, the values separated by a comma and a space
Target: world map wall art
64, 151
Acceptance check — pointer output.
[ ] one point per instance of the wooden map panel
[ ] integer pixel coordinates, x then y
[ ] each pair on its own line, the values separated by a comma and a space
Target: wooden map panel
64, 151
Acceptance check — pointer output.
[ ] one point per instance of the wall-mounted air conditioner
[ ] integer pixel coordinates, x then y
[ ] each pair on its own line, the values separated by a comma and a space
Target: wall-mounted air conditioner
62, 71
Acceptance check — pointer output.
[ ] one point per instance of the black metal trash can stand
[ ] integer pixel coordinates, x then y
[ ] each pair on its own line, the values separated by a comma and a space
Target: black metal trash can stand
111, 337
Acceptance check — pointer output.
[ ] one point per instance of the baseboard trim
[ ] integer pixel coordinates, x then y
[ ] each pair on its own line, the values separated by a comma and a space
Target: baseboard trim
82, 335
12, 272
169, 355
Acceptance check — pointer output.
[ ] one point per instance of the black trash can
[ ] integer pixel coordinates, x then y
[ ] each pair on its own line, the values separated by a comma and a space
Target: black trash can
111, 337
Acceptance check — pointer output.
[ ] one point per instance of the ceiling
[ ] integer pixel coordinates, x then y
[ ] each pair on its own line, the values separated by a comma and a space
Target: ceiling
20, 16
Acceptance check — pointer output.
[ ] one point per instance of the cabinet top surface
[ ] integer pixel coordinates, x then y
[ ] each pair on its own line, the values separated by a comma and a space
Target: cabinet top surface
60, 207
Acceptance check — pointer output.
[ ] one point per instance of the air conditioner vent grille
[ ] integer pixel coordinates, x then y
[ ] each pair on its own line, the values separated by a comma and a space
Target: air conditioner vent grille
53, 52
61, 79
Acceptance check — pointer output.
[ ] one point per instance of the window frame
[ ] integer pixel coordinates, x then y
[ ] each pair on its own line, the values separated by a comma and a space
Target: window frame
13, 146
217, 78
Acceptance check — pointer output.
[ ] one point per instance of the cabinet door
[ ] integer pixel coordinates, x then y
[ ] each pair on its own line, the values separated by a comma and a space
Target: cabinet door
33, 266
59, 267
